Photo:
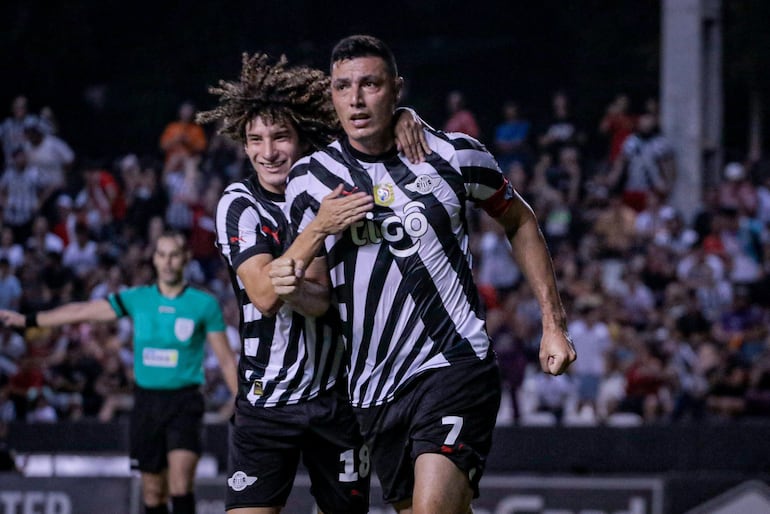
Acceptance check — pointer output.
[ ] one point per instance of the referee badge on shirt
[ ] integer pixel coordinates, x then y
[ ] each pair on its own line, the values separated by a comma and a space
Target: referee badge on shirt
183, 328
383, 194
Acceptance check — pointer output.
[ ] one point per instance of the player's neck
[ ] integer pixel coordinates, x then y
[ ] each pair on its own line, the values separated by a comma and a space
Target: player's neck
371, 150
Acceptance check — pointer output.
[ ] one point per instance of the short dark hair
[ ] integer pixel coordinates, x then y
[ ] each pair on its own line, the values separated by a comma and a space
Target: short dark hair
361, 45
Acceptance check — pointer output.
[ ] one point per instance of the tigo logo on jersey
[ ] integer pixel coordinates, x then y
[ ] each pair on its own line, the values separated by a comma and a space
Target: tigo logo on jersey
423, 185
399, 232
383, 194
240, 481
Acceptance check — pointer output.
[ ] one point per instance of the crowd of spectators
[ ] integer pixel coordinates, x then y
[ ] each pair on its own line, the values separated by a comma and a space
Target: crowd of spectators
669, 316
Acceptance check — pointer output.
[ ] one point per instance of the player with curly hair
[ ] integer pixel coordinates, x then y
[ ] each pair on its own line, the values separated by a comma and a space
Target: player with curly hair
291, 402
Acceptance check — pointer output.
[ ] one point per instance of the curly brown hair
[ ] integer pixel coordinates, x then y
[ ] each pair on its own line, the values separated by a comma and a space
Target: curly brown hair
277, 93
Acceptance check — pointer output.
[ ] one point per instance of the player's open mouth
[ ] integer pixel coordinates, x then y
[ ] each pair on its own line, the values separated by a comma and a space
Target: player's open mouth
359, 120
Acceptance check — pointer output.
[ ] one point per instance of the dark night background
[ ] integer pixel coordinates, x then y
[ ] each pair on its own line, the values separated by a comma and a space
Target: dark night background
115, 72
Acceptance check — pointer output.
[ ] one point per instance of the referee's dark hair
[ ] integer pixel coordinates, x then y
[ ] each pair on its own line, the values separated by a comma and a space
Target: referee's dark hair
276, 92
362, 45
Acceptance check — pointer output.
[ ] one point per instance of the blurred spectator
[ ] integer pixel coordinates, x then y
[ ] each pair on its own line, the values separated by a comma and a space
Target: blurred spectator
182, 182
496, 266
21, 190
66, 218
184, 137
742, 328
145, 201
561, 129
41, 411
511, 137
738, 241
203, 231
615, 229
461, 119
52, 157
758, 395
10, 287
617, 124
49, 120
82, 254
736, 191
645, 166
510, 348
58, 279
225, 158
12, 127
103, 200
727, 395
647, 393
10, 249
12, 348
42, 240
592, 341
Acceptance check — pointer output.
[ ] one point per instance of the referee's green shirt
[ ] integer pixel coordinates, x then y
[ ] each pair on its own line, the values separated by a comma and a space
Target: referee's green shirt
169, 334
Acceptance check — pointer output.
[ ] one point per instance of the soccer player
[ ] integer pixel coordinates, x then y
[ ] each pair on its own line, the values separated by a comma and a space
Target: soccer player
172, 321
292, 402
423, 379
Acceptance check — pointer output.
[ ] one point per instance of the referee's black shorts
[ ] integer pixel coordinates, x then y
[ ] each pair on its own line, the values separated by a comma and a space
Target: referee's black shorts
164, 420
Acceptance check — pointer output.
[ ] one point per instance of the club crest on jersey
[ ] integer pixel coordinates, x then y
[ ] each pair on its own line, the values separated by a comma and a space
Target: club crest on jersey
383, 194
183, 328
423, 185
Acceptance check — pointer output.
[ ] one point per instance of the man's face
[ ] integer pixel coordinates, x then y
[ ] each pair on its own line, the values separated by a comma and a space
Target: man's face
273, 149
169, 259
364, 96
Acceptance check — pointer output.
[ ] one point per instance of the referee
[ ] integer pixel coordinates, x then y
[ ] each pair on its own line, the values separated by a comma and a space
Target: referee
171, 323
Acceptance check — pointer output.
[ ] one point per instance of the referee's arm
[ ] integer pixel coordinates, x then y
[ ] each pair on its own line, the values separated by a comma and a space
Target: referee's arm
76, 312
221, 348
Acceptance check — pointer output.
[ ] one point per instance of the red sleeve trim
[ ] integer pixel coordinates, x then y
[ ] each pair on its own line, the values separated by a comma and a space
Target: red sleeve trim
499, 202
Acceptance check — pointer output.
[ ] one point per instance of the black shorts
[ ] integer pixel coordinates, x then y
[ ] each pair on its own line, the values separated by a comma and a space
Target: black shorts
164, 420
451, 411
265, 445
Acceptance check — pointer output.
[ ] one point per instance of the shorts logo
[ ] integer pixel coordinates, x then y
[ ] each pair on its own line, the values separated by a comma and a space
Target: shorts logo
423, 185
383, 194
240, 481
183, 328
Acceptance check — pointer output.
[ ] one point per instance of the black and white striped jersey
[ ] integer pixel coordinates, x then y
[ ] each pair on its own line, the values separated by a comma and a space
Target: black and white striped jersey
285, 358
403, 277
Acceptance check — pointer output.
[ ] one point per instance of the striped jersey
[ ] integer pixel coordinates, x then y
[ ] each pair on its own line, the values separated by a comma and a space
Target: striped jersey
285, 358
403, 277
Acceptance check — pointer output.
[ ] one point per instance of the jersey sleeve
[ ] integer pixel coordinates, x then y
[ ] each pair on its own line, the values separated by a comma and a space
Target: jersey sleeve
213, 318
123, 302
239, 228
485, 184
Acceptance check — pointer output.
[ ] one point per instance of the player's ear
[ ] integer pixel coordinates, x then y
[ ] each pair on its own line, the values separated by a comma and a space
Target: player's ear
399, 86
